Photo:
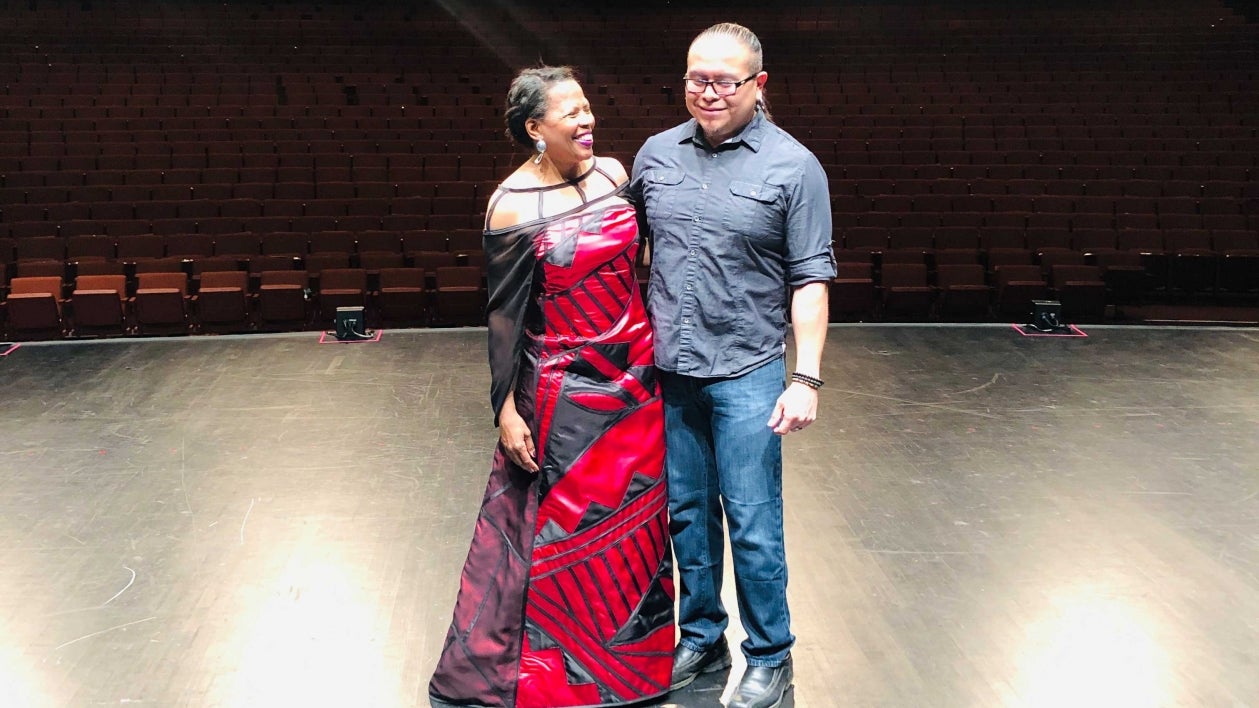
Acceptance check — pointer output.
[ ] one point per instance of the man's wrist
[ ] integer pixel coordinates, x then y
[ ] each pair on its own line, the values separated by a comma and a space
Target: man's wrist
812, 382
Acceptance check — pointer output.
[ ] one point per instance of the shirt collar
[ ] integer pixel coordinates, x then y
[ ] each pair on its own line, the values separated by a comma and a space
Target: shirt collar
751, 135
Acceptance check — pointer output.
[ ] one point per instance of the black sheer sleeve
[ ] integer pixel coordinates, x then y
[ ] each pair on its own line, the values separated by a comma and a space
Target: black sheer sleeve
509, 263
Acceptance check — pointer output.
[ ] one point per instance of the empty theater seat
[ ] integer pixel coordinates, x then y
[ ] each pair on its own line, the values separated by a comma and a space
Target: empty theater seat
160, 303
403, 296
99, 305
222, 301
33, 307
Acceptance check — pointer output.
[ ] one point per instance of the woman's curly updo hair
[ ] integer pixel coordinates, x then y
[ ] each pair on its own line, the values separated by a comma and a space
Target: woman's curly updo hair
526, 98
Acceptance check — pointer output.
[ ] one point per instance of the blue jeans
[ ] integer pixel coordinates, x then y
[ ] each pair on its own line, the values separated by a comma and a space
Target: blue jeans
719, 452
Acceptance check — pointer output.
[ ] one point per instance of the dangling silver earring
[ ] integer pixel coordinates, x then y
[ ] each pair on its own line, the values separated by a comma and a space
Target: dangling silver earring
541, 146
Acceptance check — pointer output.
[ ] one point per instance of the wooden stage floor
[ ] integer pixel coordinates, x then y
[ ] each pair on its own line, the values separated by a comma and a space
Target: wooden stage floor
977, 519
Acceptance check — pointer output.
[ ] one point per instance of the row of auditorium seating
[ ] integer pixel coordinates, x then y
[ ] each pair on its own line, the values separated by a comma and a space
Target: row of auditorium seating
206, 142
1033, 173
288, 177
347, 204
261, 189
74, 172
893, 289
453, 155
1132, 275
195, 265
637, 111
964, 292
298, 243
154, 194
1118, 99
32, 188
1193, 92
385, 248
100, 73
232, 300
330, 218
1049, 187
366, 147
988, 237
850, 212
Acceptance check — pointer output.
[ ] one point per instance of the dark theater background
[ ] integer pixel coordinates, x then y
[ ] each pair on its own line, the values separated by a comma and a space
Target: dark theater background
208, 498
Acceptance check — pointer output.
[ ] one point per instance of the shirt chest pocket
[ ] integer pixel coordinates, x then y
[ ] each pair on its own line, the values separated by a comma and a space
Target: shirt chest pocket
662, 189
754, 210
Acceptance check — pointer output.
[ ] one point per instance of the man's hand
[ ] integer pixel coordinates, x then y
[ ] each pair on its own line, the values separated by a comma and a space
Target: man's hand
796, 408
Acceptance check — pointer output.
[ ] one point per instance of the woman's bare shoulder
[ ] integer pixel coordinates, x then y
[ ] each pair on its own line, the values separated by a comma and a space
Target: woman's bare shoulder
614, 168
511, 208
521, 178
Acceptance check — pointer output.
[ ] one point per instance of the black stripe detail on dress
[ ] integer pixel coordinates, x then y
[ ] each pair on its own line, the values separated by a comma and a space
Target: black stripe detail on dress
572, 326
598, 303
590, 323
642, 556
590, 609
617, 295
626, 276
612, 575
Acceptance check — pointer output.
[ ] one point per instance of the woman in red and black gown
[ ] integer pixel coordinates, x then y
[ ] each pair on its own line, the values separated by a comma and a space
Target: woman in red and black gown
566, 597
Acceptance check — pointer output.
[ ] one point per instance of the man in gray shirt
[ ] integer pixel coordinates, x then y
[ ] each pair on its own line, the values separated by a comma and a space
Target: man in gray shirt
738, 214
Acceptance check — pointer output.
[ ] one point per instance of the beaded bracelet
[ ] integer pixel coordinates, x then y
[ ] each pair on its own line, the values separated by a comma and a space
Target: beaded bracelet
811, 381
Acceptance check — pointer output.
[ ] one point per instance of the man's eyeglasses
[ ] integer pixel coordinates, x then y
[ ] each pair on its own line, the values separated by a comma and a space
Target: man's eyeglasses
721, 87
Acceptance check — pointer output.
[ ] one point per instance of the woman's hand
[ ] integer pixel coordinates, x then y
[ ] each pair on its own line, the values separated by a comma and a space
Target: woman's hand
513, 433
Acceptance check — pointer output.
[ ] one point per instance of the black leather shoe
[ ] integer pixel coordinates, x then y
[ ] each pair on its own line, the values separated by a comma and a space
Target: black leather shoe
688, 664
763, 686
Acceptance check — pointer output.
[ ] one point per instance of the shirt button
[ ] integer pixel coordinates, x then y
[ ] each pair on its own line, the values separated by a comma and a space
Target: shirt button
696, 219
688, 286
686, 320
703, 186
692, 252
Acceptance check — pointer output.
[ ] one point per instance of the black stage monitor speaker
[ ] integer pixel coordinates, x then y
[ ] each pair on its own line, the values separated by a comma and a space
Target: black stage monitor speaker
1047, 316
351, 324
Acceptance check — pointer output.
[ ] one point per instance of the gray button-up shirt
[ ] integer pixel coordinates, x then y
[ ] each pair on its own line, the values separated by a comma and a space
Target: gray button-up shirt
732, 228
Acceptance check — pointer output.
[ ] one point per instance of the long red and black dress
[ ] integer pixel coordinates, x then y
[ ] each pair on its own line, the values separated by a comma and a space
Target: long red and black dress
566, 598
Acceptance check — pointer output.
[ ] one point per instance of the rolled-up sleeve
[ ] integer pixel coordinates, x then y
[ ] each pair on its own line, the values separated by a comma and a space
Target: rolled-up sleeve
809, 257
